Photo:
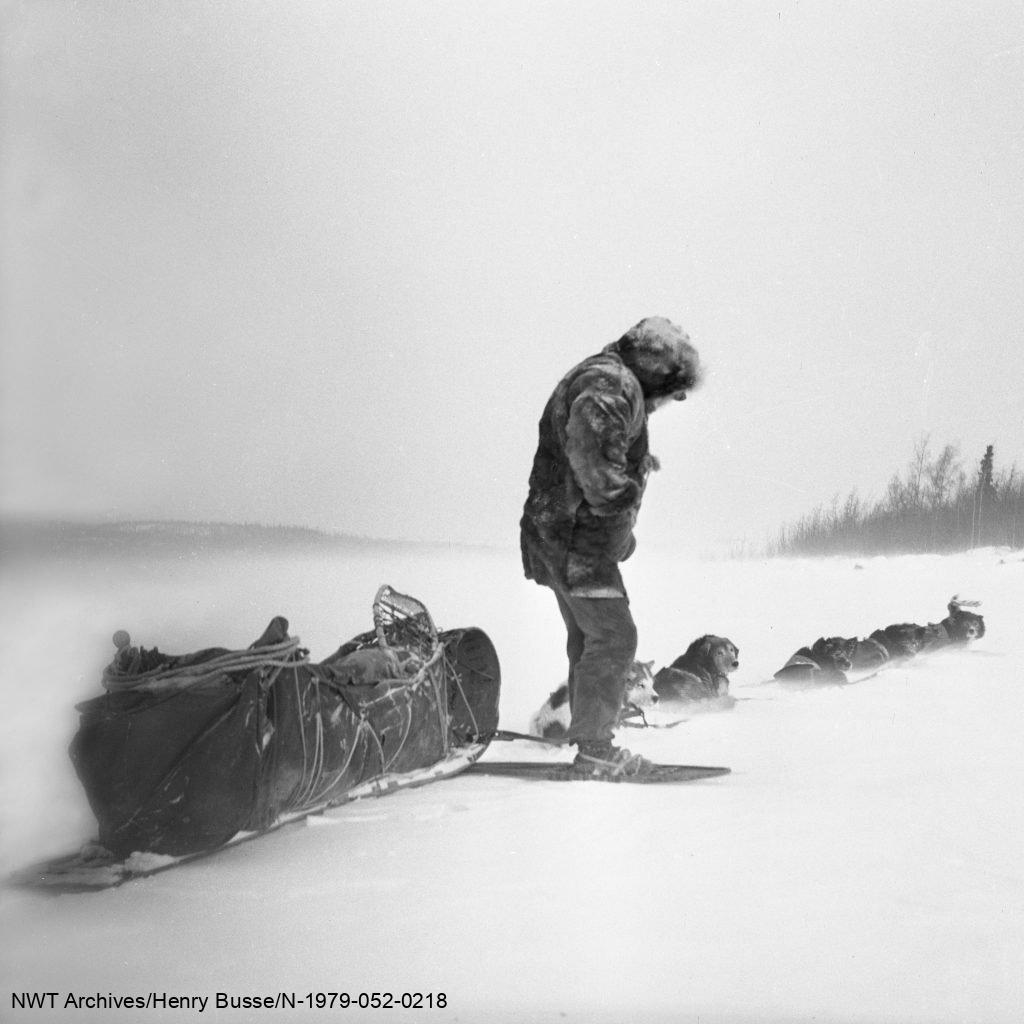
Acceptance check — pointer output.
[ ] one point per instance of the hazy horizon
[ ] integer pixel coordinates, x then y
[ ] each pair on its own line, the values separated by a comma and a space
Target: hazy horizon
322, 264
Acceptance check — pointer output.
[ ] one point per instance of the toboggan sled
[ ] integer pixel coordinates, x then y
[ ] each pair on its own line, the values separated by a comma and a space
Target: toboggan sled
185, 754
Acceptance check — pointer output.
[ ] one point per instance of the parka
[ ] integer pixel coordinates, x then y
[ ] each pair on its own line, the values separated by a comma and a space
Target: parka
592, 461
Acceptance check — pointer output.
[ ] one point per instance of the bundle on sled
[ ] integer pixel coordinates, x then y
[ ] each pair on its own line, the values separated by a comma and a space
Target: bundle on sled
838, 659
183, 754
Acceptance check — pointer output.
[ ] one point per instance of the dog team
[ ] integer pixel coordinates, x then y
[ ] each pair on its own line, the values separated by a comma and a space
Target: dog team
700, 675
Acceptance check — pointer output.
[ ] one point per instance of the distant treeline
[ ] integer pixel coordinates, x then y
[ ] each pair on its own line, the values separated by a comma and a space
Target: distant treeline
35, 538
66, 538
935, 506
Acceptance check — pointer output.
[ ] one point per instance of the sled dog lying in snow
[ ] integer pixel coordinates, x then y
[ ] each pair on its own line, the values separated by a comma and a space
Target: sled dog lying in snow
701, 672
902, 639
552, 720
827, 660
867, 654
830, 658
958, 627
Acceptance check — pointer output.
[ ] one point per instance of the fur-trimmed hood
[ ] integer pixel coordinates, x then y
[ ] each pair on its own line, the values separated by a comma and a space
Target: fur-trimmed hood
660, 356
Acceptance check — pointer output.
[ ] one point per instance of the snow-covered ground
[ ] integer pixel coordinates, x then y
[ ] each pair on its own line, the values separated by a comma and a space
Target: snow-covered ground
863, 862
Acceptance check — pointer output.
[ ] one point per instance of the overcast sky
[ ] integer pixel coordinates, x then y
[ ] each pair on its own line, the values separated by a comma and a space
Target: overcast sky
322, 263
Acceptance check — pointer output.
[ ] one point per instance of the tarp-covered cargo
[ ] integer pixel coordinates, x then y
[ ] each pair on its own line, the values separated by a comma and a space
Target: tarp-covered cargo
182, 753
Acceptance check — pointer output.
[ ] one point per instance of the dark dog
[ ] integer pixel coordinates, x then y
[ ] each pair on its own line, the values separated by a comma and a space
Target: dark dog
827, 660
701, 672
958, 628
552, 720
901, 640
867, 655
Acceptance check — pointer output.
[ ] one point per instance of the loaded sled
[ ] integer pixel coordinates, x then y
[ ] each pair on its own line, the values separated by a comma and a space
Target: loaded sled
184, 754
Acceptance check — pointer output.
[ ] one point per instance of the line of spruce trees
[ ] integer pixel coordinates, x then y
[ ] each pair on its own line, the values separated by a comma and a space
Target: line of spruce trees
934, 506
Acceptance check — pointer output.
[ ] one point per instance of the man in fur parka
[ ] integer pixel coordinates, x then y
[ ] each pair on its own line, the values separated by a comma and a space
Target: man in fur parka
587, 482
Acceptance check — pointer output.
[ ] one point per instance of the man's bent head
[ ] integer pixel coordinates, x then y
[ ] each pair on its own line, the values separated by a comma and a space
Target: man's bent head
662, 359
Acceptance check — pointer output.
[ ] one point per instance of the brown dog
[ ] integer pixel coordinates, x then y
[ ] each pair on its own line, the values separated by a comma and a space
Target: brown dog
701, 672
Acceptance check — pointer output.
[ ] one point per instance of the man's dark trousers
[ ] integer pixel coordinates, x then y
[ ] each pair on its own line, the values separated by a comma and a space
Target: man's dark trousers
601, 645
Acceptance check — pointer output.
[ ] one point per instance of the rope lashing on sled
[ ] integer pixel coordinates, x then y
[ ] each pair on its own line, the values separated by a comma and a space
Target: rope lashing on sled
310, 774
286, 654
376, 723
316, 782
473, 664
452, 674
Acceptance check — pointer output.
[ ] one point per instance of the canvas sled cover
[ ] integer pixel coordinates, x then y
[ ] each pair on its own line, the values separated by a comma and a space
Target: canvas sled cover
183, 752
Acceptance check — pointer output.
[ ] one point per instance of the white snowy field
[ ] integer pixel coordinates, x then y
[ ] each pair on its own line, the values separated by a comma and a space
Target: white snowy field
864, 861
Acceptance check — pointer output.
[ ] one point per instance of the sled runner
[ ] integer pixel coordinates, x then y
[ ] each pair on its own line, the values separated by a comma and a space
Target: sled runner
95, 867
184, 755
565, 771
